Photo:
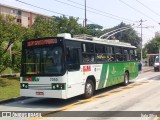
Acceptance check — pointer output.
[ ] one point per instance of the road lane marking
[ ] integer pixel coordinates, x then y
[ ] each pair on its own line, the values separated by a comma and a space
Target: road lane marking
94, 98
82, 102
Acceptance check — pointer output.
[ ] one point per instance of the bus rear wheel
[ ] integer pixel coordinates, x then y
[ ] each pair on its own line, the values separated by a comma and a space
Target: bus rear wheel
126, 78
89, 89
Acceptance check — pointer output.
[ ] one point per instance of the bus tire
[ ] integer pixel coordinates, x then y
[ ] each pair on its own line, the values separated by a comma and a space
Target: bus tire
126, 79
89, 89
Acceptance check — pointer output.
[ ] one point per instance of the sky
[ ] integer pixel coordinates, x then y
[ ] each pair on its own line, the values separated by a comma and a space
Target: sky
107, 13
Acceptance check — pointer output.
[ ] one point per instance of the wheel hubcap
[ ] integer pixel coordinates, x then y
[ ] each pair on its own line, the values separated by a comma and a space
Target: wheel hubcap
126, 79
89, 89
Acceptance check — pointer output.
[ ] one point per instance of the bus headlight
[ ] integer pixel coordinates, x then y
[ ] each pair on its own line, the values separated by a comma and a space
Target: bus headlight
24, 85
53, 87
58, 86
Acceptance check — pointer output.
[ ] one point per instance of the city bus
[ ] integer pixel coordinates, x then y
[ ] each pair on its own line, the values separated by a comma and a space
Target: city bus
63, 67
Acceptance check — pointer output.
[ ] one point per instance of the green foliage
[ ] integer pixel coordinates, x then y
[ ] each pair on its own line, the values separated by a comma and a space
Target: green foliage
128, 35
68, 25
43, 27
94, 27
12, 33
153, 45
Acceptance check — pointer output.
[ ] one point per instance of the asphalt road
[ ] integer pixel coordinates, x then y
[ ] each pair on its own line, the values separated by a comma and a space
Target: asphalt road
113, 103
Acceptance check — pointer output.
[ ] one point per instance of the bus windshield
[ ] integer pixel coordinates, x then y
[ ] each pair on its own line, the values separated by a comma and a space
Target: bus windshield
42, 61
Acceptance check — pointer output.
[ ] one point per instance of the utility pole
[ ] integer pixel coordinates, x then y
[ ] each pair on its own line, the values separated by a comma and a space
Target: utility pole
85, 19
141, 21
159, 58
141, 40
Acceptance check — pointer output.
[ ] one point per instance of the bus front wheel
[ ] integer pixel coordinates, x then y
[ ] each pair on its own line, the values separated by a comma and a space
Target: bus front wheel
89, 89
126, 78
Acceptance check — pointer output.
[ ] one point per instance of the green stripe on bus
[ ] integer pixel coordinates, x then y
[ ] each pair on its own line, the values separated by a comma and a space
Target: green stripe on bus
103, 76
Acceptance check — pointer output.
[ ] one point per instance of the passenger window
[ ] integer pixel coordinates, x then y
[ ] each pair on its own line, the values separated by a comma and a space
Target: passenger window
88, 55
100, 48
88, 47
110, 53
88, 58
118, 53
132, 55
100, 54
109, 50
118, 50
126, 54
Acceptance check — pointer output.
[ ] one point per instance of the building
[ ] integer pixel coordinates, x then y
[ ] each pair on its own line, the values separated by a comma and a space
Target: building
24, 17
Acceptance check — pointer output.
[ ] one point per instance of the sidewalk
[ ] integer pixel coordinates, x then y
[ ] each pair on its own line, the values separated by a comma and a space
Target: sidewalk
147, 68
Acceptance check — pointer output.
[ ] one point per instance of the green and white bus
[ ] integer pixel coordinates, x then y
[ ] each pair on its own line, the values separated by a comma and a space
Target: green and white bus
64, 67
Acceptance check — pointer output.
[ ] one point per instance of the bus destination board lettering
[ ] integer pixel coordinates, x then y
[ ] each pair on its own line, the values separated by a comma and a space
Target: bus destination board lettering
42, 42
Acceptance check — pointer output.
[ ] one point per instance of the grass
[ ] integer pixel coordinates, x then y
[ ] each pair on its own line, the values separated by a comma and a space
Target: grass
7, 71
9, 88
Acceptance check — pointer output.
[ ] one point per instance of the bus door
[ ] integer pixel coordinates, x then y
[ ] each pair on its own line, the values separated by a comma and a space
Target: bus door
74, 74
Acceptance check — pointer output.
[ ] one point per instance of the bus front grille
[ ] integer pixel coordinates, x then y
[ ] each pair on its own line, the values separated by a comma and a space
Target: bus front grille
39, 87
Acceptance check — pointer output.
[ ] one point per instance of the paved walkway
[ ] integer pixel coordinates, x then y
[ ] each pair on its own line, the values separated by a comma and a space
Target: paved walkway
147, 68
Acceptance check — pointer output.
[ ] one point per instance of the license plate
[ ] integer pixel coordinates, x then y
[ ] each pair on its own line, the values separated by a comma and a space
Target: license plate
39, 93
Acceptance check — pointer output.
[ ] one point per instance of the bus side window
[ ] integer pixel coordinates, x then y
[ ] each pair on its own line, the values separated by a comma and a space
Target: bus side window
72, 59
110, 53
88, 55
126, 54
118, 53
100, 53
132, 54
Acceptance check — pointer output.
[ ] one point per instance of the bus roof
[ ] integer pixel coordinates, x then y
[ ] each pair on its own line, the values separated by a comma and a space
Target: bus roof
96, 40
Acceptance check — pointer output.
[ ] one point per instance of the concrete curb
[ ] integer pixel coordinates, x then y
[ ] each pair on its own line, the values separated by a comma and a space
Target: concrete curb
12, 99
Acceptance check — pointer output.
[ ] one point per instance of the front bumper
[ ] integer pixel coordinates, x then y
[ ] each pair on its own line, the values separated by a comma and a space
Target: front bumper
61, 94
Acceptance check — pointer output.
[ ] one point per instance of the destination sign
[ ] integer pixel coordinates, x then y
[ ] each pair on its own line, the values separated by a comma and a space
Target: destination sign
41, 42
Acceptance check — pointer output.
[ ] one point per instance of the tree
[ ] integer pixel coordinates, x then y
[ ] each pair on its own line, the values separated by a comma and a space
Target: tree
93, 29
153, 45
44, 27
94, 26
129, 35
69, 25
10, 33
